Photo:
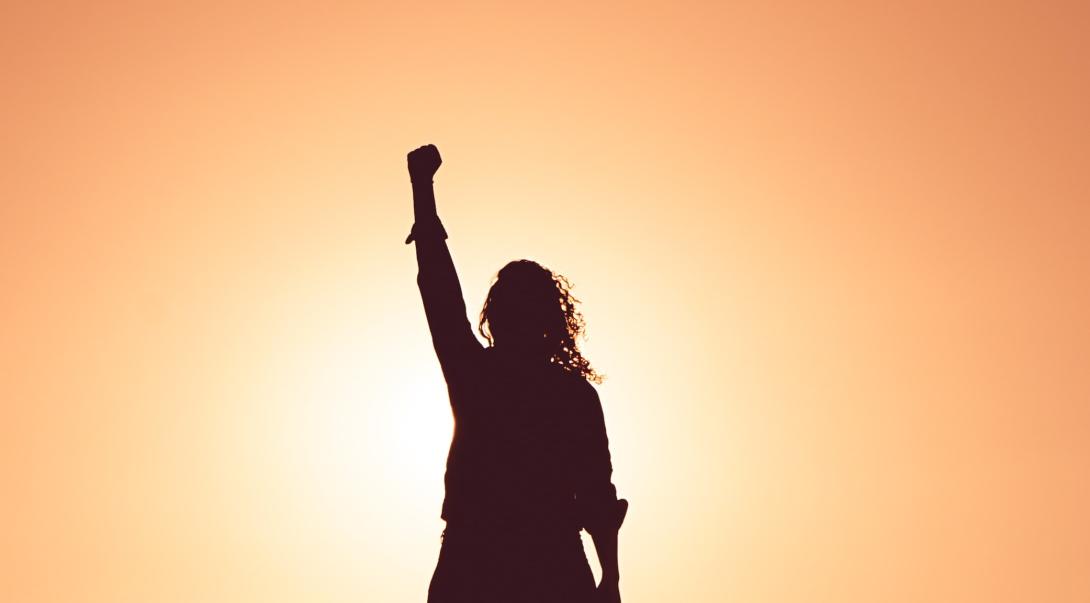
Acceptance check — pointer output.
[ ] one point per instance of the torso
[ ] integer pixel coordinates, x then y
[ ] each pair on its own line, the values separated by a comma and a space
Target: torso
514, 447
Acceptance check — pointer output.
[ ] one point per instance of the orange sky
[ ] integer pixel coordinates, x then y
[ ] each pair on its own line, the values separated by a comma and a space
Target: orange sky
834, 263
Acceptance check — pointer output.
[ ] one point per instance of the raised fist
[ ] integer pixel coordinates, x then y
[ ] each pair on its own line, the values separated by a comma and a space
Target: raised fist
423, 162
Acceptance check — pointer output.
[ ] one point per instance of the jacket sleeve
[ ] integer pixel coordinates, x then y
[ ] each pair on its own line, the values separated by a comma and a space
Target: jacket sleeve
596, 496
451, 334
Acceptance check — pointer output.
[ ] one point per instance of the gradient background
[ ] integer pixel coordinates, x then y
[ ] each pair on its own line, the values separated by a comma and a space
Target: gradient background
834, 261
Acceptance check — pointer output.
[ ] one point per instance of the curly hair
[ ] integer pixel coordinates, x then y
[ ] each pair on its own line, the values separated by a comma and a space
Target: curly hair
536, 302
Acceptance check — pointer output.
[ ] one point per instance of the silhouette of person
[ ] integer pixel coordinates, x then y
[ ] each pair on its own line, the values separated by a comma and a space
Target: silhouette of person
529, 463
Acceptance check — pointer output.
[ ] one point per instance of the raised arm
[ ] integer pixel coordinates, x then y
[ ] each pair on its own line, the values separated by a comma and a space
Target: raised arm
444, 307
603, 512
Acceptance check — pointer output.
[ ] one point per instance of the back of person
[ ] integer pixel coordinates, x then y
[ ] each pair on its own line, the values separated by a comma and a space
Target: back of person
519, 446
512, 478
529, 462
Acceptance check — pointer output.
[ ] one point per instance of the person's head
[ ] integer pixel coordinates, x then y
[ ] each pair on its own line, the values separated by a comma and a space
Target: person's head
530, 310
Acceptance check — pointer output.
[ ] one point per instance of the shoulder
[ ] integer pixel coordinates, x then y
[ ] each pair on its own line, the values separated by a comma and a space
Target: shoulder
569, 380
585, 388
582, 393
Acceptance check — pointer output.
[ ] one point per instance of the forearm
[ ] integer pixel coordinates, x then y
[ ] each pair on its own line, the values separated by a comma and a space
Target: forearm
436, 274
605, 543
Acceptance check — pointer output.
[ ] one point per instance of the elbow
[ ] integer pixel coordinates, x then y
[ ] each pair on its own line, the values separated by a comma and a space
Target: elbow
424, 279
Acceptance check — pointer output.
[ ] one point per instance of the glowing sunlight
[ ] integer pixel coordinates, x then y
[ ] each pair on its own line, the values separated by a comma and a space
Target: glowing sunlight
833, 258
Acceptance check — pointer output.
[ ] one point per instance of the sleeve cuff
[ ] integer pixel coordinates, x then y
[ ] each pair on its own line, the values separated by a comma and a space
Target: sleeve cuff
606, 517
431, 229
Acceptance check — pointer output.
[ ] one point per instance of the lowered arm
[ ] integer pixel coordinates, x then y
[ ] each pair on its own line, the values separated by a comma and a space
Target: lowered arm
603, 513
